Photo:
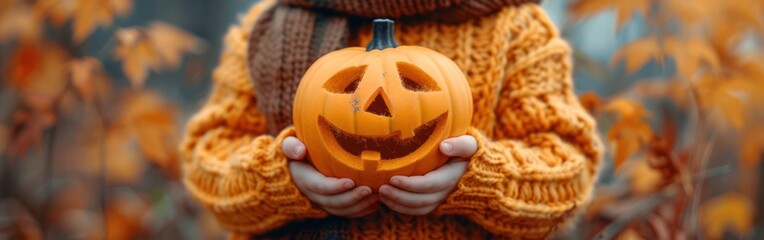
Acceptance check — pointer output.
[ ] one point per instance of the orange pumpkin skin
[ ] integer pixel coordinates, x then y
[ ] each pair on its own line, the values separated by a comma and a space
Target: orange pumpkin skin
371, 115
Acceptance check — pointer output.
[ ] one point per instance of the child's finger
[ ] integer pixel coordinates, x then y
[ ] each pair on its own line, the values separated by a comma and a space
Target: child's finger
355, 209
407, 210
409, 199
369, 210
343, 200
439, 179
462, 147
307, 178
293, 148
329, 186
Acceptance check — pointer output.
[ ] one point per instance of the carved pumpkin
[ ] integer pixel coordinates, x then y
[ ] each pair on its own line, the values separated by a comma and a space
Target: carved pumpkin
370, 114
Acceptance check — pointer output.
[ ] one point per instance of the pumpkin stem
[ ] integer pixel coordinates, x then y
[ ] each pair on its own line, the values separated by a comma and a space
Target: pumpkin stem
383, 35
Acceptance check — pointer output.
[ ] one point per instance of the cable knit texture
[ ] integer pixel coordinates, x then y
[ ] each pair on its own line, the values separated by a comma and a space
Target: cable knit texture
536, 163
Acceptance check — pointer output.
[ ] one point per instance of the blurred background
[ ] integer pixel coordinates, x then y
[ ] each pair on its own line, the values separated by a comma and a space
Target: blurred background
94, 95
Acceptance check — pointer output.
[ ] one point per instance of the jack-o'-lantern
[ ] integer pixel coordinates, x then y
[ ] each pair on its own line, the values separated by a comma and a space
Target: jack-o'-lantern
370, 114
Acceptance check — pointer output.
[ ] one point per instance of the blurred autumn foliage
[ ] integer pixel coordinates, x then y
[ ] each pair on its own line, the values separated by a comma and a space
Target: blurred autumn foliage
692, 118
83, 155
89, 152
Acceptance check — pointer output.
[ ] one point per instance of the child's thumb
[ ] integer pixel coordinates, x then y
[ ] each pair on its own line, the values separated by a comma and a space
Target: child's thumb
293, 148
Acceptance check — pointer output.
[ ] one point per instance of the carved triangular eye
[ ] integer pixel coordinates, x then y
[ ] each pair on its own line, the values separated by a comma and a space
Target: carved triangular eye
415, 79
346, 80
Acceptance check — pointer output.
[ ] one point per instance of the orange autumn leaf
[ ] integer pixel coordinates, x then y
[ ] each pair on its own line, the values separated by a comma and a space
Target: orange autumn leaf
591, 102
688, 13
125, 216
630, 132
89, 14
731, 211
137, 54
86, 15
88, 76
677, 91
38, 72
626, 108
643, 178
58, 11
638, 53
151, 122
752, 147
628, 136
625, 9
629, 234
752, 67
39, 68
727, 97
18, 20
171, 42
159, 46
690, 54
738, 14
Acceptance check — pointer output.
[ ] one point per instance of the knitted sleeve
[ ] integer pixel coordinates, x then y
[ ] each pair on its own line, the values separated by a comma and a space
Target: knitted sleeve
229, 166
542, 161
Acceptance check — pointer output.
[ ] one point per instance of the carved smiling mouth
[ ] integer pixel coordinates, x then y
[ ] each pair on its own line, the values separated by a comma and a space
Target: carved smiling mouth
389, 146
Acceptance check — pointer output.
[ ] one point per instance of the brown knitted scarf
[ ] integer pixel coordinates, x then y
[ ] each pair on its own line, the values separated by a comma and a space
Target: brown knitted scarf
294, 33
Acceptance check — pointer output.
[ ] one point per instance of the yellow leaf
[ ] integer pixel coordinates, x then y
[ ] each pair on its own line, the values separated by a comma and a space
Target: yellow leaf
627, 8
689, 54
729, 211
17, 19
638, 53
136, 53
89, 14
678, 91
727, 97
147, 118
630, 132
624, 8
644, 179
688, 13
171, 42
628, 135
626, 108
752, 67
587, 8
88, 76
157, 47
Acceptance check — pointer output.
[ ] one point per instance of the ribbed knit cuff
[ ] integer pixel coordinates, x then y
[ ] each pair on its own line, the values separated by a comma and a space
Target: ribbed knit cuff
254, 193
478, 186
500, 193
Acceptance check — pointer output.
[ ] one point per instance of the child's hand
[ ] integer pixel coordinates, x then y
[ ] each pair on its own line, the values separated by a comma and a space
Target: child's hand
336, 196
420, 195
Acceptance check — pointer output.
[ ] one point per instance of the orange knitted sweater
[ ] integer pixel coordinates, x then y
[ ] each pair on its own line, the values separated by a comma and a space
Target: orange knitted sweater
536, 163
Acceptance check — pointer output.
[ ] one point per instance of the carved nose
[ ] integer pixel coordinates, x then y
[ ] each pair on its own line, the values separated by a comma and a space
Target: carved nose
378, 104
